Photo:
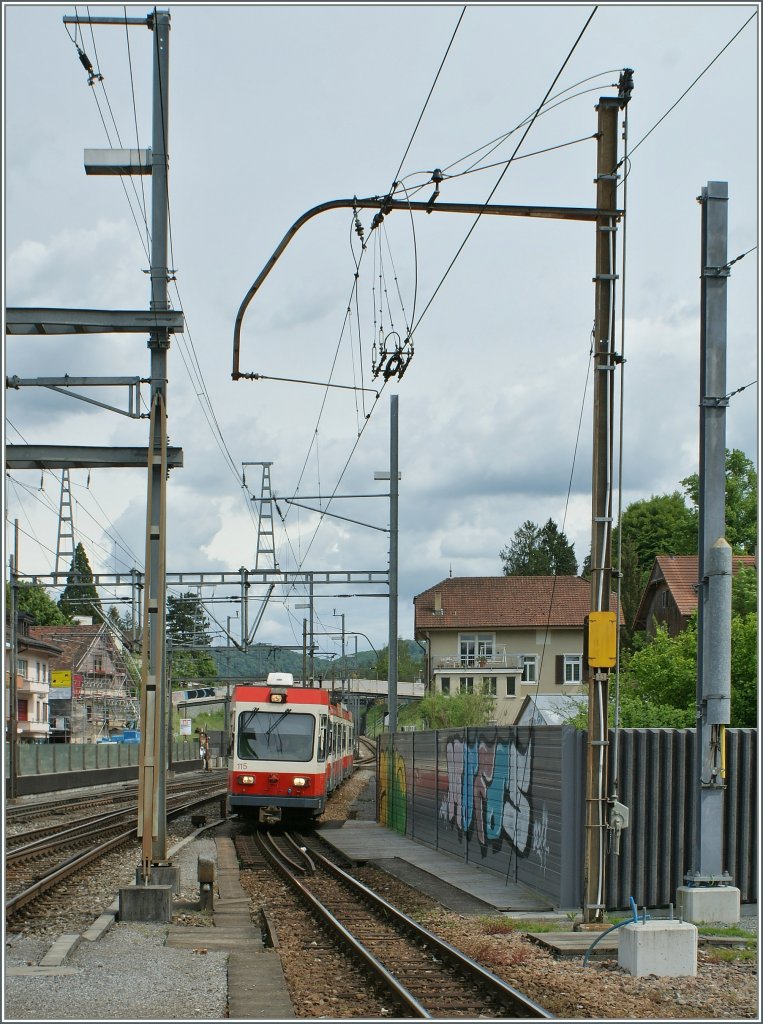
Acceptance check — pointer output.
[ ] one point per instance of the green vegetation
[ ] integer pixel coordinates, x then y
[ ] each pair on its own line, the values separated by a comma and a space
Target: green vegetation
188, 638
35, 601
80, 597
261, 659
539, 551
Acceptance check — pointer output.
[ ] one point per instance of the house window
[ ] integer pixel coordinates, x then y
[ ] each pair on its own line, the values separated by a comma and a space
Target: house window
529, 668
89, 712
466, 684
573, 667
490, 685
511, 686
23, 667
445, 685
664, 599
97, 663
473, 646
38, 671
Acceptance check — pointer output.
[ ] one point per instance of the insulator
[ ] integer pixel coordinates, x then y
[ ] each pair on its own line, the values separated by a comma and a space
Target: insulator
85, 61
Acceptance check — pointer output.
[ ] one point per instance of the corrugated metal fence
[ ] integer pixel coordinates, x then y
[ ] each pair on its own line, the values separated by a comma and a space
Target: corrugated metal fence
511, 800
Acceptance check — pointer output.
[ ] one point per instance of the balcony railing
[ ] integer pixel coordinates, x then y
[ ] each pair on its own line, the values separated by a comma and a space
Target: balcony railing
499, 660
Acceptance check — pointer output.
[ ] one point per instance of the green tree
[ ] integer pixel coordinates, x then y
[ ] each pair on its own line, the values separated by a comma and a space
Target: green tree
188, 637
539, 551
741, 501
409, 667
80, 596
744, 671
35, 601
660, 525
461, 709
187, 622
744, 591
663, 672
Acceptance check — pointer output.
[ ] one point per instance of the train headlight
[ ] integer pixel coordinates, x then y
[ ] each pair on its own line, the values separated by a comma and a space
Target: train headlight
246, 780
300, 781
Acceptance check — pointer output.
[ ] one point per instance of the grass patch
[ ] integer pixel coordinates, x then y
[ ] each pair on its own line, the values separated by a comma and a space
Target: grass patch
732, 932
724, 953
506, 925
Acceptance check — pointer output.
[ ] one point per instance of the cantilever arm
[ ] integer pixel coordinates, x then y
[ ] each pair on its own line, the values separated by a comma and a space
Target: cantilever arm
385, 204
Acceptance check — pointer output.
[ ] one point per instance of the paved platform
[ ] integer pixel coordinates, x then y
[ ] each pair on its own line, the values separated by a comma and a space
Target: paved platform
256, 985
466, 888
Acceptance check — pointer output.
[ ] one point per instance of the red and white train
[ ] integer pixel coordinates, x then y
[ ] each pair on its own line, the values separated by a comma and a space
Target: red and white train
291, 746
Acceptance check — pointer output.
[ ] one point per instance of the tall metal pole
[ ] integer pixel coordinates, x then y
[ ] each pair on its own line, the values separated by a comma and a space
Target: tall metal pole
715, 561
393, 531
304, 652
601, 528
312, 634
13, 739
152, 814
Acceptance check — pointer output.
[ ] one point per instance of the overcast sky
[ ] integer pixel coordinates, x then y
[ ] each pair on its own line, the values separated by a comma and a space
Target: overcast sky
275, 109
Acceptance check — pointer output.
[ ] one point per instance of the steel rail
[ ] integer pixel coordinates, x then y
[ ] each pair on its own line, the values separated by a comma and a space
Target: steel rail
505, 992
356, 947
72, 865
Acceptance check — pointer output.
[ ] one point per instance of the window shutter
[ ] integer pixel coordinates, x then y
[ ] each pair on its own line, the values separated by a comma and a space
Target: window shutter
559, 669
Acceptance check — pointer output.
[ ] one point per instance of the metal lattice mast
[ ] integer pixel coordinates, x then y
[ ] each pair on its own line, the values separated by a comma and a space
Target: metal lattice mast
265, 535
65, 538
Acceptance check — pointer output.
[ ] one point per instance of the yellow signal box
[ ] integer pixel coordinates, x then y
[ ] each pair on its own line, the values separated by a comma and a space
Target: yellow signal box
602, 639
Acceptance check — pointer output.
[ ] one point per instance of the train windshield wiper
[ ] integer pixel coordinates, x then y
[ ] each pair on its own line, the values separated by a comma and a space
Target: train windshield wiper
276, 721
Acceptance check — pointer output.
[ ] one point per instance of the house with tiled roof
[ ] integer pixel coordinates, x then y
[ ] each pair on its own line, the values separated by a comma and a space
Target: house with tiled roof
508, 636
92, 695
33, 661
670, 596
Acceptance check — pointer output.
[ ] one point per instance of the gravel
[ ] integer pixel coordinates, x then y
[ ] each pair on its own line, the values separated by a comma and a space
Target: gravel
129, 974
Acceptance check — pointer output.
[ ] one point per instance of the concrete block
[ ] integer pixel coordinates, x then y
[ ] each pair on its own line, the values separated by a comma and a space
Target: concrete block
161, 874
146, 903
665, 948
709, 903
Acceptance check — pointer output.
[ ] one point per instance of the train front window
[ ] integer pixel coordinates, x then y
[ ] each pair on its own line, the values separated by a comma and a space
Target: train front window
275, 735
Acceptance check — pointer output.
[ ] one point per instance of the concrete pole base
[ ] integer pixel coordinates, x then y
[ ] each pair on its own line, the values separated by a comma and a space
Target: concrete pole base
665, 948
146, 903
161, 874
709, 903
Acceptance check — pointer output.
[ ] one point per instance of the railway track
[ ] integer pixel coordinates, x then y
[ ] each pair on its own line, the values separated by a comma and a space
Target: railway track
37, 864
426, 976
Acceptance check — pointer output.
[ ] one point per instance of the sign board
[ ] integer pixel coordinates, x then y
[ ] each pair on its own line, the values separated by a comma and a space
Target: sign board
61, 685
185, 726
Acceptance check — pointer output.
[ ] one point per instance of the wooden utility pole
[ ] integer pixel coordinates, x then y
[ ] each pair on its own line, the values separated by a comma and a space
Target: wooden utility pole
599, 650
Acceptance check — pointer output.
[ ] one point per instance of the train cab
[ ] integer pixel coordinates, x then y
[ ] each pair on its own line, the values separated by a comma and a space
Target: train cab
291, 746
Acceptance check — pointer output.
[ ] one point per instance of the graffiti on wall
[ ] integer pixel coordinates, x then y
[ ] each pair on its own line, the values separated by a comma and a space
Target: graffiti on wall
393, 801
488, 795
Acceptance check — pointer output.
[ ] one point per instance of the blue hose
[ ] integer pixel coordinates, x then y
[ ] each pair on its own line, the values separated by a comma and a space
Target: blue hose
600, 936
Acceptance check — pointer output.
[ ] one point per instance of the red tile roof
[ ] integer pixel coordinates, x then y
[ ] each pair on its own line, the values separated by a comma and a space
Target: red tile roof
680, 573
74, 641
504, 602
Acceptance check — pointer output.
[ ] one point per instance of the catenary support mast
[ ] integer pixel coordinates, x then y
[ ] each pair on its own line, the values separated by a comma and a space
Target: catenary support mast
605, 362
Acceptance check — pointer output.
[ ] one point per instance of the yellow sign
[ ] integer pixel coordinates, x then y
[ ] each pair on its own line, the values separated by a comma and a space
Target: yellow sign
602, 639
61, 679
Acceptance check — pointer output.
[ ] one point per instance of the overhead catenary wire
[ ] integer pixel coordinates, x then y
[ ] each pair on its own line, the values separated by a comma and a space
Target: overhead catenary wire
690, 87
503, 173
429, 96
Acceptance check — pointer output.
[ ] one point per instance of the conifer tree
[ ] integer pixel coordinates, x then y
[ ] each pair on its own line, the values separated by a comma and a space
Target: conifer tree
81, 596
